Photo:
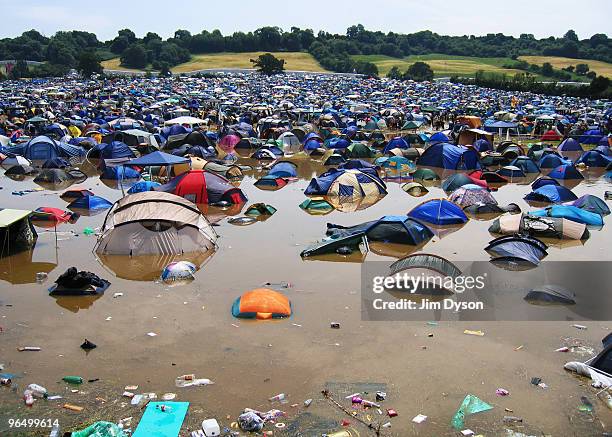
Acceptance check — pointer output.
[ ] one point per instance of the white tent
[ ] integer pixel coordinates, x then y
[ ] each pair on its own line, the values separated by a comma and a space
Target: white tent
191, 121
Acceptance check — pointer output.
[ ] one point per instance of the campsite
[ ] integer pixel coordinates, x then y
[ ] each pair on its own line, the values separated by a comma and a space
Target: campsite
270, 236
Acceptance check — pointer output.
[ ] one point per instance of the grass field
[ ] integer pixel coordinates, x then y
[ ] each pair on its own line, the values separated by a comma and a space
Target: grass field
599, 67
442, 65
293, 61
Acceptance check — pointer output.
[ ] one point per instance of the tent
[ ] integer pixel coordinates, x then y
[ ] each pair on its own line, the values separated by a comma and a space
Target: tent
544, 227
113, 150
550, 295
526, 164
58, 176
542, 181
471, 194
550, 135
565, 171
154, 223
439, 212
458, 180
316, 206
425, 174
552, 160
47, 217
262, 304
89, 205
396, 143
511, 171
593, 158
337, 143
283, 169
591, 136
352, 183
591, 203
482, 145
449, 156
75, 193
270, 182
569, 212
119, 173
569, 145
334, 159
200, 186
429, 268
228, 143
387, 229
552, 194
415, 189
359, 150
141, 186
158, 158
42, 148
260, 210
487, 176
18, 172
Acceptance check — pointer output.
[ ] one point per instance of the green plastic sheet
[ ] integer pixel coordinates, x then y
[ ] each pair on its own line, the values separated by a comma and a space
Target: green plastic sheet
100, 429
470, 405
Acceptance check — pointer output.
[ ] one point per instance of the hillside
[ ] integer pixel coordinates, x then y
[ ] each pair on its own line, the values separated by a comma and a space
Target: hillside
299, 61
601, 68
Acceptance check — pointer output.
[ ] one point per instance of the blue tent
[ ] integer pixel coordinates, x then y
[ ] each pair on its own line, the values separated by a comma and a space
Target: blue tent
42, 148
526, 164
396, 143
158, 158
495, 126
593, 158
439, 137
114, 150
356, 163
312, 144
348, 181
119, 172
592, 136
175, 129
398, 229
313, 136
552, 160
337, 143
591, 203
544, 180
141, 186
283, 169
566, 171
569, 145
482, 145
569, 212
56, 163
522, 247
439, 212
91, 203
552, 194
449, 156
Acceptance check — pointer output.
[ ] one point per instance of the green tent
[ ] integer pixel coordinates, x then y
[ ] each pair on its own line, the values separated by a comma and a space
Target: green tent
360, 150
316, 206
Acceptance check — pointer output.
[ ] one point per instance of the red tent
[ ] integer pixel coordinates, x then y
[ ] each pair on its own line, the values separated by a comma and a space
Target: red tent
46, 217
551, 135
200, 186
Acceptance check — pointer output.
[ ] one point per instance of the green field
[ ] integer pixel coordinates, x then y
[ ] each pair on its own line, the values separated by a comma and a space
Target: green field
442, 65
299, 61
599, 67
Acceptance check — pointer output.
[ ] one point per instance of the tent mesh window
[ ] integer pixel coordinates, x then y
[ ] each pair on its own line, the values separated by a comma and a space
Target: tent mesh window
432, 262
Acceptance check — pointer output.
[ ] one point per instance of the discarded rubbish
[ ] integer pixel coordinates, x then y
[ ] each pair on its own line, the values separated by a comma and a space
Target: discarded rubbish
5, 381
211, 428
72, 407
88, 345
278, 397
586, 405
579, 326
502, 392
151, 334
178, 271
470, 405
512, 419
136, 399
307, 402
100, 429
116, 295
391, 412
38, 391
73, 379
380, 396
166, 422
192, 381
168, 396
29, 349
478, 333
250, 422
563, 349
419, 418
41, 277
536, 380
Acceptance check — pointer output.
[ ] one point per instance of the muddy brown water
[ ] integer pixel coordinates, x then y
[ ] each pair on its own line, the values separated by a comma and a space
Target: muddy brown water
254, 360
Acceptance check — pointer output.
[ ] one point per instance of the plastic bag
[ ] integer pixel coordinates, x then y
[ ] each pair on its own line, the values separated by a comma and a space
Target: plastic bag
100, 429
470, 405
250, 422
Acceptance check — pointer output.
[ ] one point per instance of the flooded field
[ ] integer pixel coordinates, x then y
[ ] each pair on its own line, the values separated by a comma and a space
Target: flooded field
423, 368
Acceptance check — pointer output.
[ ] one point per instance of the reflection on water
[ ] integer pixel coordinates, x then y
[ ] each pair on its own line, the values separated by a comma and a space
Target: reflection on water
148, 267
76, 303
20, 268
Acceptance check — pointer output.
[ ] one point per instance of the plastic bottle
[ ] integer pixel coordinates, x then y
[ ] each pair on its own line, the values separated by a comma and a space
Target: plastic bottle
37, 391
55, 431
607, 399
278, 397
5, 381
73, 379
28, 398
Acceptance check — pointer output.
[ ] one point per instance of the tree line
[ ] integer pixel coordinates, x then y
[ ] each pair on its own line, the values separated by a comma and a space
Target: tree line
335, 52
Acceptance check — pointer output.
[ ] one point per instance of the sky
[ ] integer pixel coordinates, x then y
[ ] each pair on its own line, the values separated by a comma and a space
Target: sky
542, 18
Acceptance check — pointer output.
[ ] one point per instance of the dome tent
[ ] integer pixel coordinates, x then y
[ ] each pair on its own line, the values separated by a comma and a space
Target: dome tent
570, 212
349, 183
569, 145
262, 304
200, 186
449, 156
551, 193
565, 171
593, 158
439, 212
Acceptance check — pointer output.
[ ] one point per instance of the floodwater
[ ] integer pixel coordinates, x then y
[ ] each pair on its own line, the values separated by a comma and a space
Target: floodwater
250, 361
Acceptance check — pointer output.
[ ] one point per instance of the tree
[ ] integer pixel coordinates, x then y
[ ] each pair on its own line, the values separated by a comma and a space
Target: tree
134, 56
268, 64
19, 70
591, 74
547, 69
164, 69
89, 64
419, 71
394, 73
571, 35
599, 84
582, 69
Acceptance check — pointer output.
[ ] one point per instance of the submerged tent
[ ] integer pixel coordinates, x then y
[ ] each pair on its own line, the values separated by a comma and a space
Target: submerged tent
42, 148
526, 164
569, 212
119, 172
316, 206
425, 174
439, 212
470, 194
429, 268
387, 229
569, 145
542, 181
550, 295
460, 179
359, 150
262, 304
449, 156
565, 171
591, 203
539, 227
90, 203
517, 247
352, 183
552, 160
593, 158
154, 223
200, 186
511, 171
141, 186
551, 193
